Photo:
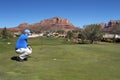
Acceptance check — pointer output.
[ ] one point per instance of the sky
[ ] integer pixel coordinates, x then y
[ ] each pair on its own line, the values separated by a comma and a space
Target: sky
78, 12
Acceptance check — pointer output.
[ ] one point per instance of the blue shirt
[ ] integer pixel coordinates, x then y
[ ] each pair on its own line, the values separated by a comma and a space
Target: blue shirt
22, 41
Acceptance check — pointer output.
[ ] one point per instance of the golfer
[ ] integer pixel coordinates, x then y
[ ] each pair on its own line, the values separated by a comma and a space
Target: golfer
22, 46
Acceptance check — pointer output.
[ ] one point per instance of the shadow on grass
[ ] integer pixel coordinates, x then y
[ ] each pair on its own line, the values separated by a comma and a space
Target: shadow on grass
15, 58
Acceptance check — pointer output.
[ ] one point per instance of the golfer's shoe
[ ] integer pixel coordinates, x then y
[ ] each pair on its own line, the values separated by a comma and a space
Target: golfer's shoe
25, 59
21, 60
14, 58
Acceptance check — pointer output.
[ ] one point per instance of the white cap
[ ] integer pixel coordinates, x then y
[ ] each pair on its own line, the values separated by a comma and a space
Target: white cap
27, 31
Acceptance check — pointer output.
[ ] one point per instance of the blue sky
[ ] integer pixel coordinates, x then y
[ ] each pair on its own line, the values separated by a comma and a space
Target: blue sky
78, 12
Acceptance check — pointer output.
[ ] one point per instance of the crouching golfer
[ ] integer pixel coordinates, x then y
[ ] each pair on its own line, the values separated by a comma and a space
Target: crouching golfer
22, 46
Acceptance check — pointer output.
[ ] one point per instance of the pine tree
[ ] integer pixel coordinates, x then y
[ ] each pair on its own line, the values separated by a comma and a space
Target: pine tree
6, 34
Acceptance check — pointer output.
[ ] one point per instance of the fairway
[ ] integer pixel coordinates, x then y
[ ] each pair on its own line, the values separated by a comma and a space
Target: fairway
56, 59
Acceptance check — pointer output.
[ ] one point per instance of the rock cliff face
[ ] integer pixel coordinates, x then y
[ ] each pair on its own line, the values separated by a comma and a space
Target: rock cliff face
52, 24
110, 25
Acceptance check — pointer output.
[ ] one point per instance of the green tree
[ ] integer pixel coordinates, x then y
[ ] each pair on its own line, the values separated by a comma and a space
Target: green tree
6, 34
69, 34
61, 31
93, 32
81, 36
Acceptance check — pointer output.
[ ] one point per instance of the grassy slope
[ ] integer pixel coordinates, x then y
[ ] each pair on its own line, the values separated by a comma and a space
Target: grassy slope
52, 59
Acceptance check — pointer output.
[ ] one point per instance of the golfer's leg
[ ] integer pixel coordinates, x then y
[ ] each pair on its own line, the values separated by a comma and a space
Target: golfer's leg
23, 55
20, 51
28, 51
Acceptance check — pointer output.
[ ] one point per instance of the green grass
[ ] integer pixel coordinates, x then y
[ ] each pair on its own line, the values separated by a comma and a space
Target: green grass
55, 59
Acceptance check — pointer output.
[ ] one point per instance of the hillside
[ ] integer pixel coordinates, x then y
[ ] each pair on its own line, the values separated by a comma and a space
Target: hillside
58, 23
51, 24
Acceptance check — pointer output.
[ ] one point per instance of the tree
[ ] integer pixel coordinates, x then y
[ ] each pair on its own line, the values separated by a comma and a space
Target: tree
69, 34
61, 31
81, 36
93, 32
6, 34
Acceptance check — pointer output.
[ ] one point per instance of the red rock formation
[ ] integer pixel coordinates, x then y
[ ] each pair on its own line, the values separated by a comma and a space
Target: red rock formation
110, 25
52, 24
